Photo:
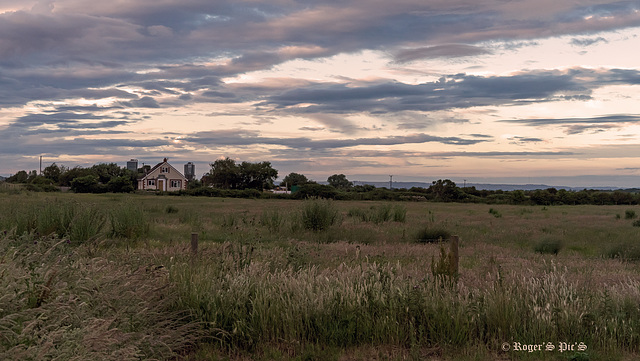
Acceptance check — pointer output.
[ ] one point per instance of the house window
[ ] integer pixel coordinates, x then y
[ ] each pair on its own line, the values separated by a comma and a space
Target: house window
164, 170
151, 182
176, 184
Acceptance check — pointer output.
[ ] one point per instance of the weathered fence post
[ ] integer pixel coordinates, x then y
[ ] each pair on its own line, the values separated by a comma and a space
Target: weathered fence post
454, 257
194, 243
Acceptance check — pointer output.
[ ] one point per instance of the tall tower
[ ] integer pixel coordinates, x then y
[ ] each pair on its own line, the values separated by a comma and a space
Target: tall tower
190, 171
132, 165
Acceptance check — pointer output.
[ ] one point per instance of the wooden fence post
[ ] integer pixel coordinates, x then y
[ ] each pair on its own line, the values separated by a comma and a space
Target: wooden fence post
194, 243
454, 257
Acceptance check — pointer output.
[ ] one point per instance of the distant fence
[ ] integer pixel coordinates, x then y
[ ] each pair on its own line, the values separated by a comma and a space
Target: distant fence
11, 186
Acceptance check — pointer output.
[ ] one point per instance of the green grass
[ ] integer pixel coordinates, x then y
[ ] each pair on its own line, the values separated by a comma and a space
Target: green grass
282, 279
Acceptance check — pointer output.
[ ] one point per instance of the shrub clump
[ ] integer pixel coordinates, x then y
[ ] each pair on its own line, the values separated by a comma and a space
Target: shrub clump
625, 251
495, 213
318, 215
171, 209
430, 235
548, 246
630, 214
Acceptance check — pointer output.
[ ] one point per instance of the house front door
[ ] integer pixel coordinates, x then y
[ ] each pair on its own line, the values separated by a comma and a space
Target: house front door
161, 184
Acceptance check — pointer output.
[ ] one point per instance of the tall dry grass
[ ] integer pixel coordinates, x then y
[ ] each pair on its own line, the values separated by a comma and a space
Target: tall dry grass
59, 303
251, 304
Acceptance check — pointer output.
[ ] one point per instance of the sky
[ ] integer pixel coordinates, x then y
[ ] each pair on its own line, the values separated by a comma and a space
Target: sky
481, 91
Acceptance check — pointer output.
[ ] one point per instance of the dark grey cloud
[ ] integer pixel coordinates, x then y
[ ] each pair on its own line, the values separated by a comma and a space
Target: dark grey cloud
581, 125
616, 119
244, 138
36, 145
524, 140
588, 41
144, 102
440, 51
456, 91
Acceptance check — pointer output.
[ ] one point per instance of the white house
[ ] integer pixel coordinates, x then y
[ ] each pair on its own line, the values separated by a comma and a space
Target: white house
163, 177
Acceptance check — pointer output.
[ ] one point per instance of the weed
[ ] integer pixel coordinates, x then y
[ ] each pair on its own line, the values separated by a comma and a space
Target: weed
628, 251
548, 246
429, 235
442, 268
318, 215
630, 214
87, 225
399, 213
495, 213
272, 219
170, 209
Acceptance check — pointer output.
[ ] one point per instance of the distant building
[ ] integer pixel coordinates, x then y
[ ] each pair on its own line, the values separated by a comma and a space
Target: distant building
190, 171
163, 177
132, 165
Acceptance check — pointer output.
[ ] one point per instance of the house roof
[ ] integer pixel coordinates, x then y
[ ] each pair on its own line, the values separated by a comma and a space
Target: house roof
158, 166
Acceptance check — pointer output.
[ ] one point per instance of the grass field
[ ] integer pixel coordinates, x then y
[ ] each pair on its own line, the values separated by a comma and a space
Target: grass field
113, 277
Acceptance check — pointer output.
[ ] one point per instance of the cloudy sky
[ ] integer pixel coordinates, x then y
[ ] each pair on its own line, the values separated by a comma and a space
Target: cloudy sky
518, 91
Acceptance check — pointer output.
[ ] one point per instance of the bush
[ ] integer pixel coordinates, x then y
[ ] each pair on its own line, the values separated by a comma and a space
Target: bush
430, 235
85, 184
630, 214
318, 215
381, 214
624, 251
316, 191
495, 212
549, 246
171, 209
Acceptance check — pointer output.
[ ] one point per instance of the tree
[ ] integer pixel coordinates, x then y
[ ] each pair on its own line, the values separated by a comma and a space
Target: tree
339, 181
106, 171
120, 184
257, 175
294, 179
70, 174
86, 184
224, 174
53, 172
445, 190
20, 177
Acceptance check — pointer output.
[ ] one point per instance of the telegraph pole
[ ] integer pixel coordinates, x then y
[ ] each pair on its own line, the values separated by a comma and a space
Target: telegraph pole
390, 181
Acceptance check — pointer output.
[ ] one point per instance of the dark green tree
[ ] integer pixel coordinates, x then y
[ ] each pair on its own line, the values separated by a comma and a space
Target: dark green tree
257, 175
224, 173
445, 190
106, 171
53, 172
122, 184
20, 177
339, 181
86, 184
294, 179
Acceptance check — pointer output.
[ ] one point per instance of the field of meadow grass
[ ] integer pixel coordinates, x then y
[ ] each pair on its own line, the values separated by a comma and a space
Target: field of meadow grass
112, 277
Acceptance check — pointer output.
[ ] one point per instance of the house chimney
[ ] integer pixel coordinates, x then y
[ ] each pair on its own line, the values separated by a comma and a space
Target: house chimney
165, 159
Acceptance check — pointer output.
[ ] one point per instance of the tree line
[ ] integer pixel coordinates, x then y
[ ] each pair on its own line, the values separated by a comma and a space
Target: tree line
228, 178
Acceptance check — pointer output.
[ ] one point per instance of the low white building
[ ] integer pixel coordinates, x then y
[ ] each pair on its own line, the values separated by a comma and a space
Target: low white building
163, 177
